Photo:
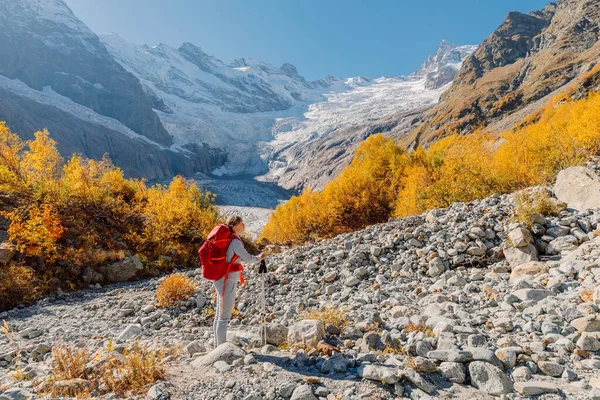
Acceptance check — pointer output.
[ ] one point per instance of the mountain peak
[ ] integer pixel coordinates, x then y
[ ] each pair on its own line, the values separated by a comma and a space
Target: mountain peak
55, 11
441, 67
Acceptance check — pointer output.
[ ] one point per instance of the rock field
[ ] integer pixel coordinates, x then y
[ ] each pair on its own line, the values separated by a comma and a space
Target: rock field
459, 303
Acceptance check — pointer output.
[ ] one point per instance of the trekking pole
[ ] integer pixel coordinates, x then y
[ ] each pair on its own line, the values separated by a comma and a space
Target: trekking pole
263, 302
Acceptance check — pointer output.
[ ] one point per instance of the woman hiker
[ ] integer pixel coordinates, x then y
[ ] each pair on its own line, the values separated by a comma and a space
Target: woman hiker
226, 287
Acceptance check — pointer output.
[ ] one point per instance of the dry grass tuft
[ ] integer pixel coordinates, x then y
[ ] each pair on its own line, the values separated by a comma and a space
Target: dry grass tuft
328, 315
409, 362
529, 203
419, 328
18, 373
78, 373
175, 288
139, 367
68, 373
389, 350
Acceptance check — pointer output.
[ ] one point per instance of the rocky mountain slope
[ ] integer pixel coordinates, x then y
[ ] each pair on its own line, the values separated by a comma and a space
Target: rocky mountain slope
161, 111
61, 77
529, 57
271, 120
462, 302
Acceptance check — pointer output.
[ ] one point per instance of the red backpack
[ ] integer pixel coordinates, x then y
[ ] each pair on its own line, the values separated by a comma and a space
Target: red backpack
213, 252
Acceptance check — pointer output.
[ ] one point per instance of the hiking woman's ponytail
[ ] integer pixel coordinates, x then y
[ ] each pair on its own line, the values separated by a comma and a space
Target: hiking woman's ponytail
233, 221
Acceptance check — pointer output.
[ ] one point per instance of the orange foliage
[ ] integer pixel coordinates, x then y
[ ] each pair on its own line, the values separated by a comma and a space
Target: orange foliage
174, 288
383, 181
362, 194
65, 217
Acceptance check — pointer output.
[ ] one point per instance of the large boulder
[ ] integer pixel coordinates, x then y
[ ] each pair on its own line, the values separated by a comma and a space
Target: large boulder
527, 271
379, 373
123, 270
589, 323
227, 352
520, 255
579, 187
489, 378
276, 334
520, 237
303, 392
562, 244
307, 332
132, 330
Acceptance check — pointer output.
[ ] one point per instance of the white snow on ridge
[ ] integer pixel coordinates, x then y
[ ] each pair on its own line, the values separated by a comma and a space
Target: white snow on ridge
224, 105
49, 97
360, 105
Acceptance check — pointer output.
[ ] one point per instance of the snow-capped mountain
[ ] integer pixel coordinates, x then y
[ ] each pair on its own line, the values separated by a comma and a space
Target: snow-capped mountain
59, 76
160, 110
259, 113
442, 66
233, 107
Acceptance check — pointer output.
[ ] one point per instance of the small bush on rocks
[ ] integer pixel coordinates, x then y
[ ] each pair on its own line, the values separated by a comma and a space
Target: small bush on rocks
174, 288
76, 372
327, 315
419, 328
139, 367
529, 203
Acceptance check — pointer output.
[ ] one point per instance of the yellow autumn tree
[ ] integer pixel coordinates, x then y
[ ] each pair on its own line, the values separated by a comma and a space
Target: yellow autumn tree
382, 180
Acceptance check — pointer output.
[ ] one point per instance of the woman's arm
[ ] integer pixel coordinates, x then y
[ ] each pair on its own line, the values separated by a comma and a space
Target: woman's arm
238, 248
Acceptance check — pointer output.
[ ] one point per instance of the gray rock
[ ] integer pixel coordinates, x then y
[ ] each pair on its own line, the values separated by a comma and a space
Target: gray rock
450, 355
276, 334
123, 270
562, 244
579, 187
130, 332
307, 332
286, 390
520, 237
379, 373
532, 294
520, 255
521, 374
16, 394
351, 281
489, 379
453, 372
436, 267
158, 392
535, 387
194, 348
551, 368
227, 352
303, 392
588, 343
507, 356
416, 379
222, 366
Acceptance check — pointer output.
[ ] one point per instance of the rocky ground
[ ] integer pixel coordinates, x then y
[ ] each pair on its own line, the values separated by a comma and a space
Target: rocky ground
459, 303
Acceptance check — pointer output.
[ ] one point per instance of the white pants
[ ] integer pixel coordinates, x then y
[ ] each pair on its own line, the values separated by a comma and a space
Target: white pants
225, 302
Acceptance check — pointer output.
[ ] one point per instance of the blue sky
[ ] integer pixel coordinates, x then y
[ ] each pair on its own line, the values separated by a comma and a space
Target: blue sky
320, 37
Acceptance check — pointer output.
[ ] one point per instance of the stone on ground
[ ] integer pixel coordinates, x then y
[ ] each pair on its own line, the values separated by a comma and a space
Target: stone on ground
227, 352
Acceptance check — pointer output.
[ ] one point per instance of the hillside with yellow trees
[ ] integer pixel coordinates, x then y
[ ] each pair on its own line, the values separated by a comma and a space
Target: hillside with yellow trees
384, 181
68, 218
